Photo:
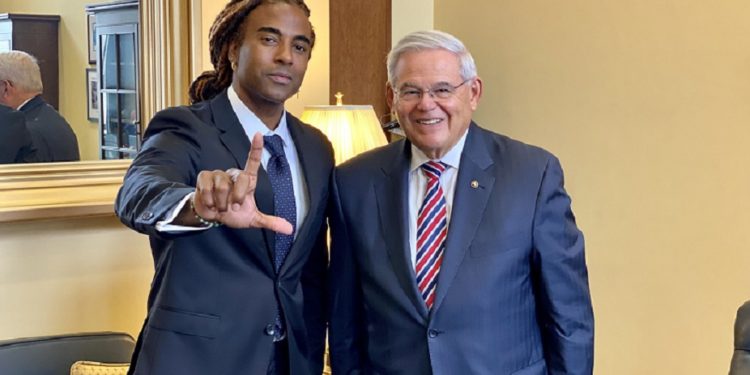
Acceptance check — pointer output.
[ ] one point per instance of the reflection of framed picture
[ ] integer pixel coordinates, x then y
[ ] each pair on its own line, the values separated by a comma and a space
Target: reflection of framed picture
92, 38
92, 94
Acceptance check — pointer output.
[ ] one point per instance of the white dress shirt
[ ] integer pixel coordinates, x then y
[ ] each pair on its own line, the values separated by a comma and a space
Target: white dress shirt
418, 184
252, 124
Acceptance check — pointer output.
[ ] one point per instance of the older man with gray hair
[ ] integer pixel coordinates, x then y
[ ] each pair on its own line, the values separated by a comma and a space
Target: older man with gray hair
454, 251
21, 89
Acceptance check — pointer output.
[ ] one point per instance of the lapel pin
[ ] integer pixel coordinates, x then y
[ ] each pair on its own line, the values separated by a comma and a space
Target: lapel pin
474, 184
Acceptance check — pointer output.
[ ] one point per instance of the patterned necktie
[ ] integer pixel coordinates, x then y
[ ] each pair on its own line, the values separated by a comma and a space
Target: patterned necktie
283, 206
283, 194
432, 228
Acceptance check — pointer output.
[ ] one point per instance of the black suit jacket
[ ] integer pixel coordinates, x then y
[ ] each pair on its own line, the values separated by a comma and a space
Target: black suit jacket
52, 136
15, 140
512, 293
214, 292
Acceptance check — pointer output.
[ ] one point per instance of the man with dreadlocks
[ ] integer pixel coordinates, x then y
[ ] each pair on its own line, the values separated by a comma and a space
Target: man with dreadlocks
232, 192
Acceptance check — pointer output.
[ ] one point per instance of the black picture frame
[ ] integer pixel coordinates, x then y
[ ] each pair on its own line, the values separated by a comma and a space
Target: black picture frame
92, 95
91, 37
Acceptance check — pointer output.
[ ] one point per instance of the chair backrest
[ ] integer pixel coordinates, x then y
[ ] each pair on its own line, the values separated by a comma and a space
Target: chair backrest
741, 358
50, 355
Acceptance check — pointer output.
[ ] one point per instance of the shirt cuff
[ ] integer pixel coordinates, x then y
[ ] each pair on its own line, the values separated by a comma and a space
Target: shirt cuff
166, 225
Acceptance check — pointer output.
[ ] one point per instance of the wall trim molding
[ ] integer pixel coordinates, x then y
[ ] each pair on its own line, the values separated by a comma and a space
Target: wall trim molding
165, 54
59, 190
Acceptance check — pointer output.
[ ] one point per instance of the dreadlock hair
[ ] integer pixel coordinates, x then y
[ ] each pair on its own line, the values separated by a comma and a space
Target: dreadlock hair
225, 31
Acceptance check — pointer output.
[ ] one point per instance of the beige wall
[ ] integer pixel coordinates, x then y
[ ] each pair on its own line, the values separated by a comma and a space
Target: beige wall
646, 104
410, 15
62, 276
73, 46
314, 90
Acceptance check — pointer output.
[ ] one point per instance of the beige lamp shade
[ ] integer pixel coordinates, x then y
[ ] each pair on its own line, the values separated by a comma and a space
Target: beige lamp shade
352, 129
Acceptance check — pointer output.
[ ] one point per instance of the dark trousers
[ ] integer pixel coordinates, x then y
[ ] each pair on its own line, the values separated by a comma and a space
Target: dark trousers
279, 361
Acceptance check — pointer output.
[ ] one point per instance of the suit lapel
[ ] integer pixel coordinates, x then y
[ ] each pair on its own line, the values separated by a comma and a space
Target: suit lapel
316, 178
469, 203
231, 132
233, 136
392, 194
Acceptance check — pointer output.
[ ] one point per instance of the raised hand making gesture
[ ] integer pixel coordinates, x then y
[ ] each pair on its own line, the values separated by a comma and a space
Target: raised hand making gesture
228, 197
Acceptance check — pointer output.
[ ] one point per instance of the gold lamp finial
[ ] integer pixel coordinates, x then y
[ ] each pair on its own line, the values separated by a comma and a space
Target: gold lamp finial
339, 98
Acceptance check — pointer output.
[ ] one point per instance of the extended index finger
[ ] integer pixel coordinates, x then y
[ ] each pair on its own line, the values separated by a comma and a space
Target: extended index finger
253, 158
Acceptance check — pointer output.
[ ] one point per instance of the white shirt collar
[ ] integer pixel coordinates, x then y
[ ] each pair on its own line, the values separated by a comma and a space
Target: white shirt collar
452, 157
252, 124
24, 103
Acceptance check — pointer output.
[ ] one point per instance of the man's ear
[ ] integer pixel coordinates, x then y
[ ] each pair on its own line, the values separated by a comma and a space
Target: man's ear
232, 55
389, 95
476, 92
6, 94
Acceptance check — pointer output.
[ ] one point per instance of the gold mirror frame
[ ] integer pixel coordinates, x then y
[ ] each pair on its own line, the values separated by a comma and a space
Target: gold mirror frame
59, 190
169, 54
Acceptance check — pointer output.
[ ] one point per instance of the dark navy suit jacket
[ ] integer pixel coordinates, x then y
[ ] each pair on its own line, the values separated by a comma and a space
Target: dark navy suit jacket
214, 291
52, 136
15, 140
512, 293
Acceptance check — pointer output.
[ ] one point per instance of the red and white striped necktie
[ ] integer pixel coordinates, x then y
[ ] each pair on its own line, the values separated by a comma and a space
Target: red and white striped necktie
432, 228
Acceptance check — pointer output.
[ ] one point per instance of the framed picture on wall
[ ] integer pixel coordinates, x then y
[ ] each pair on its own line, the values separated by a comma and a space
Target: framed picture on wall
92, 94
91, 37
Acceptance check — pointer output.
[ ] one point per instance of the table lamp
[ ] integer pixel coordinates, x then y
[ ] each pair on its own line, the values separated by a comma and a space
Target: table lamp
352, 129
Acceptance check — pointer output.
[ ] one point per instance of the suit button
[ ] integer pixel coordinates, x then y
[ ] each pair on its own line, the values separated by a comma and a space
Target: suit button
270, 330
147, 215
433, 333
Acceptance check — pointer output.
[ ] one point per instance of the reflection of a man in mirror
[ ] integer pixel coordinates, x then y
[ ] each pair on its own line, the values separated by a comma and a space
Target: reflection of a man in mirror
51, 135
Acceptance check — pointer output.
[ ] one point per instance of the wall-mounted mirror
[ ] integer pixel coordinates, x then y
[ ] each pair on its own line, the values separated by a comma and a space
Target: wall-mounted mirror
161, 72
173, 49
73, 62
163, 69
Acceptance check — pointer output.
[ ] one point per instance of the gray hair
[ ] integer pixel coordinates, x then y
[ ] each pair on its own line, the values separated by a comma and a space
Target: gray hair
432, 40
22, 69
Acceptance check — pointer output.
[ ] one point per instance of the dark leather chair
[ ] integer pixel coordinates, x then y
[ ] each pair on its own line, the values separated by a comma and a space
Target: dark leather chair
741, 358
50, 355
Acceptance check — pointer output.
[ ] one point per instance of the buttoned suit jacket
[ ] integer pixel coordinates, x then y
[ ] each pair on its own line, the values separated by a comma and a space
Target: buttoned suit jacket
51, 134
512, 291
213, 296
15, 140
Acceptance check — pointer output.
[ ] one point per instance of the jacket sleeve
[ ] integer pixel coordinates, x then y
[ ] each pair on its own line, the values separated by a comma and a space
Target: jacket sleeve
346, 332
565, 311
162, 173
314, 282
